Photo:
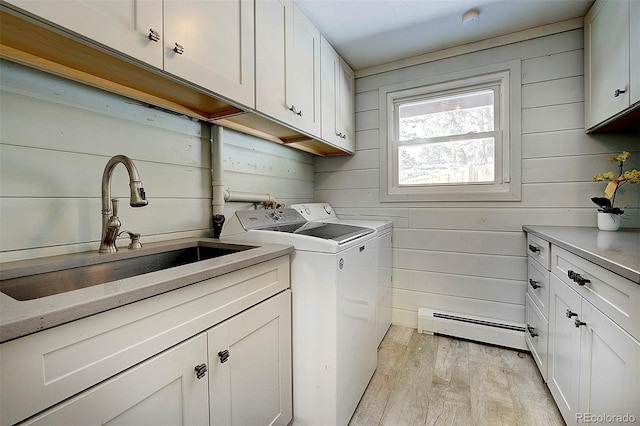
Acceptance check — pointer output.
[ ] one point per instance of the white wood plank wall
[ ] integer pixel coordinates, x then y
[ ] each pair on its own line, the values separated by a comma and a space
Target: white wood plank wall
469, 257
57, 136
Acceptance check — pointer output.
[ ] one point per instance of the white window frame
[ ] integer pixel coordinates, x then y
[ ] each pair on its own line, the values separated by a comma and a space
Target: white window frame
507, 184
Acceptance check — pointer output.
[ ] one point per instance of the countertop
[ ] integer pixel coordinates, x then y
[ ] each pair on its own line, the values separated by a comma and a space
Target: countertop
617, 251
19, 318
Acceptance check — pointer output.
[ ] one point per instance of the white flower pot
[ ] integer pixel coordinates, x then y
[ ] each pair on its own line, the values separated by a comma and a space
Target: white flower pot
608, 221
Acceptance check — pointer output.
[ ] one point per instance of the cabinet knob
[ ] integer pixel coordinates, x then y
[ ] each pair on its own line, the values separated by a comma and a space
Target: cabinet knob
578, 323
179, 49
224, 356
532, 331
534, 284
293, 110
534, 248
570, 314
341, 135
154, 35
201, 370
617, 92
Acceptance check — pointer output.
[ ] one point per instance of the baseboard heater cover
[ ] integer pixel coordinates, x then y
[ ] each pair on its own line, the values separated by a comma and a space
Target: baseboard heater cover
511, 335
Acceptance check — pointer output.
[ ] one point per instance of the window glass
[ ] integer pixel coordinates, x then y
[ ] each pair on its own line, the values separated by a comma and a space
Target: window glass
457, 114
450, 137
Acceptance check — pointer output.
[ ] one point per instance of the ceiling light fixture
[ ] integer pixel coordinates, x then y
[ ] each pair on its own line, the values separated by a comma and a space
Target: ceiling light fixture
471, 17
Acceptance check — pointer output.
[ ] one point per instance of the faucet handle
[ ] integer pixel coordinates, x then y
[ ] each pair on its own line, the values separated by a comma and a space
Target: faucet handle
114, 207
135, 240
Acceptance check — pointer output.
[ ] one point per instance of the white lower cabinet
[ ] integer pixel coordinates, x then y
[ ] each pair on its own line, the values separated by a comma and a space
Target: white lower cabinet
609, 370
161, 390
536, 335
594, 365
158, 361
564, 348
250, 366
237, 373
588, 350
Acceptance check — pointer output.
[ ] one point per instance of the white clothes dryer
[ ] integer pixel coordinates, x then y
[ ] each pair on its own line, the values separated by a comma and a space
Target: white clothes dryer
323, 212
333, 278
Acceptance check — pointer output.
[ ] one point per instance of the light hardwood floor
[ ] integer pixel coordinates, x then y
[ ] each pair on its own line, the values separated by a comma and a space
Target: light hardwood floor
437, 380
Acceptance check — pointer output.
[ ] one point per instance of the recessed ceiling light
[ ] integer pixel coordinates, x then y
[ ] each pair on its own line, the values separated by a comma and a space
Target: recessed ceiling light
471, 17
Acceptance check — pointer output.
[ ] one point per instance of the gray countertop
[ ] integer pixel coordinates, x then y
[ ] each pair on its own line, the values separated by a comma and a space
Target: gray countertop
19, 318
617, 251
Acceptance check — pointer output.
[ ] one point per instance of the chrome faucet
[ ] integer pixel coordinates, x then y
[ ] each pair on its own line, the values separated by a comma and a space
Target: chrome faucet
110, 222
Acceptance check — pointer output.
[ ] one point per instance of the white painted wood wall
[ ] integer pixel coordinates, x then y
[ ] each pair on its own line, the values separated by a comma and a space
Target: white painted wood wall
56, 137
469, 257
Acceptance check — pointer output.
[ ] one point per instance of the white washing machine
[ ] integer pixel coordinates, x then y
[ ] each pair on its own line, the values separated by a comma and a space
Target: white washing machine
333, 278
323, 212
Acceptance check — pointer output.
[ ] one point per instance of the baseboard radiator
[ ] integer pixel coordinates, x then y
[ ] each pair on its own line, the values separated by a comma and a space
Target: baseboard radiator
510, 335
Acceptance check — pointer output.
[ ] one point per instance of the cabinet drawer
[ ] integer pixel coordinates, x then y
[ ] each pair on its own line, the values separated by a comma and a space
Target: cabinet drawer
539, 250
57, 363
617, 297
536, 335
538, 286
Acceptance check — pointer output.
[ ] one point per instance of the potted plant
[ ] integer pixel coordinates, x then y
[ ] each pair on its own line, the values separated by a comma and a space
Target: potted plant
608, 215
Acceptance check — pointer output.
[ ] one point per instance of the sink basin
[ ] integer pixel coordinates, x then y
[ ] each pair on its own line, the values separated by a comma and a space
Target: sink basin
107, 268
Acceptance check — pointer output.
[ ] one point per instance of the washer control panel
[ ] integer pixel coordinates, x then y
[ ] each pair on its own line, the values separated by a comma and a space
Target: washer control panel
263, 218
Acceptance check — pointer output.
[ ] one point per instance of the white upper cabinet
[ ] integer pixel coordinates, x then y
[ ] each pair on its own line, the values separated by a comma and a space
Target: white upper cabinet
609, 85
634, 52
211, 44
287, 65
133, 27
337, 98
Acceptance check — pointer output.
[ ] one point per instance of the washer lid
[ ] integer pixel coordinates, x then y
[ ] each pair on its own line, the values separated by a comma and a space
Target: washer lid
337, 232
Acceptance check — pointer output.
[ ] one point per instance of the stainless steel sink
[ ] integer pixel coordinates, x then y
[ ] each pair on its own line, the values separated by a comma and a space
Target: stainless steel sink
107, 268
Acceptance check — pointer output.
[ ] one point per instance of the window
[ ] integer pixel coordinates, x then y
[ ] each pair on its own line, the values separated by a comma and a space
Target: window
453, 140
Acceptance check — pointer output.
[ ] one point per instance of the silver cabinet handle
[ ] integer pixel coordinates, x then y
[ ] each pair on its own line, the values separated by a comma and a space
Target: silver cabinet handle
578, 323
224, 356
532, 331
534, 284
179, 49
293, 110
154, 35
618, 92
201, 370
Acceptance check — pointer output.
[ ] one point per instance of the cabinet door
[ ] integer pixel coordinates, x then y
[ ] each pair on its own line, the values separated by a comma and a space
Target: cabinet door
287, 65
329, 92
634, 52
163, 390
121, 25
337, 91
274, 20
606, 60
211, 43
303, 74
537, 336
346, 106
250, 383
564, 348
609, 368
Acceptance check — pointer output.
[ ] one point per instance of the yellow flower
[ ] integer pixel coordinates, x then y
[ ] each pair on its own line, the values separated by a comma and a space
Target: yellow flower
620, 157
604, 176
632, 176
